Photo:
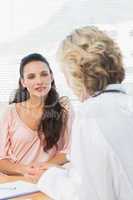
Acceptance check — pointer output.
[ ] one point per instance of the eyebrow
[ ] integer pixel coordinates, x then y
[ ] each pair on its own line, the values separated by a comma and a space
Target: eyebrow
44, 71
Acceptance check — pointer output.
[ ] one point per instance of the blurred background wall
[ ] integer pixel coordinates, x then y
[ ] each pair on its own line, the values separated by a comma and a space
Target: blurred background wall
29, 26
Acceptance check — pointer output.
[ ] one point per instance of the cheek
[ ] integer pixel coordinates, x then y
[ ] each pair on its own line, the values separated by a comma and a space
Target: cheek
29, 84
49, 84
47, 81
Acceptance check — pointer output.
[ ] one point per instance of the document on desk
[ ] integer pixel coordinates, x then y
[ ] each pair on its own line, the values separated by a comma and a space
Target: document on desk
16, 188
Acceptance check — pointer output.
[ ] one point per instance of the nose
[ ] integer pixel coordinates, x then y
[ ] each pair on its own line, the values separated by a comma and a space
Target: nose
39, 80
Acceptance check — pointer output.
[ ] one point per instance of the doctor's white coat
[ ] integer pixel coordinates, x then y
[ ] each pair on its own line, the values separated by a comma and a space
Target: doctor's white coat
101, 153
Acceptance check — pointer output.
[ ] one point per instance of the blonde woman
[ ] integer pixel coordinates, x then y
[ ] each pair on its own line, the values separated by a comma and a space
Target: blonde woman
102, 141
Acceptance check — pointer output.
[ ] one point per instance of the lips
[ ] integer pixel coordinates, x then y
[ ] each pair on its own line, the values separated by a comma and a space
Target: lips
40, 89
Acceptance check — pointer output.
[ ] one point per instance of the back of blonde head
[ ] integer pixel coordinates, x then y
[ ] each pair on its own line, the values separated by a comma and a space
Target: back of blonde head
93, 59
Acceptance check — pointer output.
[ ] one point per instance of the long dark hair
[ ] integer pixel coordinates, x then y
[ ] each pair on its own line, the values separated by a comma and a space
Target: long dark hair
54, 117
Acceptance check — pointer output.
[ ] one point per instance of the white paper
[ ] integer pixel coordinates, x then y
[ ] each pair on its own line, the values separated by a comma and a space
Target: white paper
16, 188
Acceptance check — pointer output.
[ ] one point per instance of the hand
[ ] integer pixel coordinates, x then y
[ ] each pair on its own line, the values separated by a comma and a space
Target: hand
46, 165
27, 169
34, 178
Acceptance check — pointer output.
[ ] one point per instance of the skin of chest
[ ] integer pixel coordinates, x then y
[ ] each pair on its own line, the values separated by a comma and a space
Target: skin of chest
30, 117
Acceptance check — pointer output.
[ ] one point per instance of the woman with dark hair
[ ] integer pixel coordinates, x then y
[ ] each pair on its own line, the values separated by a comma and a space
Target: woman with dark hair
35, 129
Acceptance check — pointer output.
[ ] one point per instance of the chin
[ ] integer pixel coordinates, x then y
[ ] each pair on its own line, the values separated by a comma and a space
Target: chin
40, 95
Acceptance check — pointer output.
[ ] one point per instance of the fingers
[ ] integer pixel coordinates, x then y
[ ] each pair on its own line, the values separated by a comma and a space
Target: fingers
33, 177
46, 166
30, 178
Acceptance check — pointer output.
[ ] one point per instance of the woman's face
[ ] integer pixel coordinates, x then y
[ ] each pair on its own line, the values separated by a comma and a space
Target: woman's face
37, 78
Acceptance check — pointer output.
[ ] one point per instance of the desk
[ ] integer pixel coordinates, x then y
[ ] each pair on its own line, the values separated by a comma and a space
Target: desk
35, 196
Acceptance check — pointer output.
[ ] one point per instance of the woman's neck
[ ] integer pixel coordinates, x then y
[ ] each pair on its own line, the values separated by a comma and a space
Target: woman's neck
35, 103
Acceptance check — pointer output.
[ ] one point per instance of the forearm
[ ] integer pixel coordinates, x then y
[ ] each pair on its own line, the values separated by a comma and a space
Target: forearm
10, 168
59, 159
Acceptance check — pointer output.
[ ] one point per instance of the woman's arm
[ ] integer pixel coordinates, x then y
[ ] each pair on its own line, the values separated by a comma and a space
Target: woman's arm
10, 168
59, 159
7, 165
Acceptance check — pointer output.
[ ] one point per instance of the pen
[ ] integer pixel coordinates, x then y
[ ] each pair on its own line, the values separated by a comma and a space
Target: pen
7, 188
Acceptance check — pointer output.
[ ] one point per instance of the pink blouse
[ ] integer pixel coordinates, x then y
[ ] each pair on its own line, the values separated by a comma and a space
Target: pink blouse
21, 144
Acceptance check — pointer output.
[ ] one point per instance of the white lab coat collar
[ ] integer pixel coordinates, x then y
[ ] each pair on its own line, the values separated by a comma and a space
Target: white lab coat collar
116, 86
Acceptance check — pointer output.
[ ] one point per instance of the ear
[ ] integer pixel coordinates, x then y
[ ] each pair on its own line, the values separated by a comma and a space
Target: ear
22, 82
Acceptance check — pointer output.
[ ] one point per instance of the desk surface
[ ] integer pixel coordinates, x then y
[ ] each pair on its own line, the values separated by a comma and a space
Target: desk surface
35, 196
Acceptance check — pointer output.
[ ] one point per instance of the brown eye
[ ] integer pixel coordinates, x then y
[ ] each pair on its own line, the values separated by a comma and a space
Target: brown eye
44, 74
31, 76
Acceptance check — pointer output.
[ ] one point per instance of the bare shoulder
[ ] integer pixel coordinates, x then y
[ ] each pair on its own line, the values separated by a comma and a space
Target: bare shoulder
18, 106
